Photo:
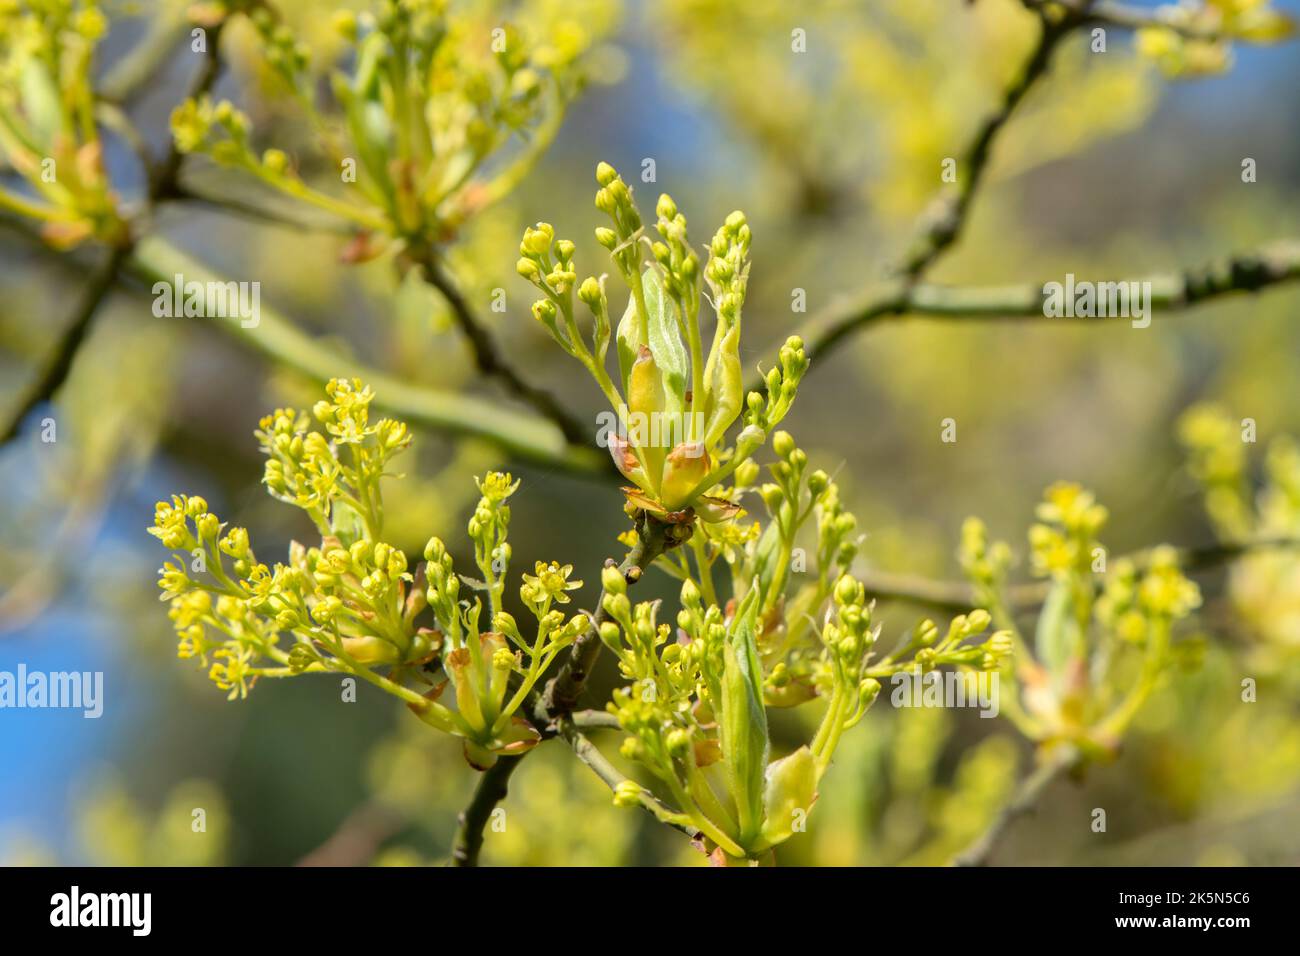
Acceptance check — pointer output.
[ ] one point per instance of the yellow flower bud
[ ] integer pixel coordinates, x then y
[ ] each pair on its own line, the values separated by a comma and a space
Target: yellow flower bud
627, 794
605, 174
612, 580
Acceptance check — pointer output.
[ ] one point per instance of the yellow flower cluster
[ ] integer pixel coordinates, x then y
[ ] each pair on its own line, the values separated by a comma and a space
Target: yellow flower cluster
49, 133
673, 404
353, 603
1095, 657
432, 98
1065, 539
1198, 40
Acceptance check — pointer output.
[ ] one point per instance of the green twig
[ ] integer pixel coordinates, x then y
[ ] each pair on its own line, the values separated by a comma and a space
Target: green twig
587, 752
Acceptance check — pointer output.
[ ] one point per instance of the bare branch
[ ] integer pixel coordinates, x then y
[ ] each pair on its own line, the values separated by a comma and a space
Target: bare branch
492, 788
1026, 797
947, 219
488, 358
59, 365
943, 223
1248, 271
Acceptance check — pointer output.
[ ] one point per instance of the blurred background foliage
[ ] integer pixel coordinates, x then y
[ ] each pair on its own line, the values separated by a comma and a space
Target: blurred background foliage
1112, 168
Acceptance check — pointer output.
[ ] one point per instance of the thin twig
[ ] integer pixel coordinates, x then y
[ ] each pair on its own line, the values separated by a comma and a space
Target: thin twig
528, 437
949, 217
1022, 802
563, 691
944, 222
488, 358
254, 211
587, 752
59, 365
165, 175
908, 296
594, 720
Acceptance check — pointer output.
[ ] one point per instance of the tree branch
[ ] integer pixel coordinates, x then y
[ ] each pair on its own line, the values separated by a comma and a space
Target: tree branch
277, 337
1064, 758
943, 223
563, 690
1250, 271
163, 177
948, 217
551, 709
488, 358
906, 296
594, 720
492, 788
59, 365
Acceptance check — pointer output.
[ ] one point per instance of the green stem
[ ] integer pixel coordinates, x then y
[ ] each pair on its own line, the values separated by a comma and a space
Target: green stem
587, 752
